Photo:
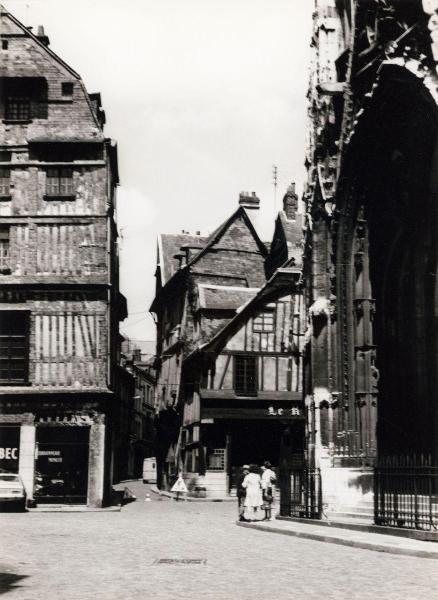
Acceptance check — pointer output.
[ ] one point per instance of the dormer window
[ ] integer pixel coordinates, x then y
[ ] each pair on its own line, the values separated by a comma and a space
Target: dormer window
17, 108
67, 88
23, 99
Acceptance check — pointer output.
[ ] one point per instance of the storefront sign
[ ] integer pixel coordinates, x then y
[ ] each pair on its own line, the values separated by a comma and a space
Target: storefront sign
295, 411
9, 448
66, 420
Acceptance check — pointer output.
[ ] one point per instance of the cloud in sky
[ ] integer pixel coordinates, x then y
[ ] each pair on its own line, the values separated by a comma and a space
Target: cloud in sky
203, 96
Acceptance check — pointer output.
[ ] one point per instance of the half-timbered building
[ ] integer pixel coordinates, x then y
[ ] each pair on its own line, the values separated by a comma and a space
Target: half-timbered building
198, 276
59, 299
232, 365
244, 396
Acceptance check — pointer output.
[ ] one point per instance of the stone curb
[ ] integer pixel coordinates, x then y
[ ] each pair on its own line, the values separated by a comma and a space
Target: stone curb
413, 534
167, 494
72, 509
331, 539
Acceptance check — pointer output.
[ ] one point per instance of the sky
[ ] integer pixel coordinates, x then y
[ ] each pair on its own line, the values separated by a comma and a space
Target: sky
203, 98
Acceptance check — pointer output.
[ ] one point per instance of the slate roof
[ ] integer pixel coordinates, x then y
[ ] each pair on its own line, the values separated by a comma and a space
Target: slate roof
293, 234
286, 248
169, 245
219, 232
220, 297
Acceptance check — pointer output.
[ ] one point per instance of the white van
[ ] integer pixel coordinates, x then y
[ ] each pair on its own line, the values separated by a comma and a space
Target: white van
150, 470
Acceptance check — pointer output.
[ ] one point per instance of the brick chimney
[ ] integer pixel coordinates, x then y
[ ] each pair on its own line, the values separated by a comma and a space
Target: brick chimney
42, 36
290, 203
251, 203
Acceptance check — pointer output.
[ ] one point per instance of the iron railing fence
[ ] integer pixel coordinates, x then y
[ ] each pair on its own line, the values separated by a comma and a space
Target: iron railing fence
300, 493
406, 492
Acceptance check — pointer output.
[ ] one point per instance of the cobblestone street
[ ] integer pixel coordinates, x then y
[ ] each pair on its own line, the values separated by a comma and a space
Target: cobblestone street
113, 556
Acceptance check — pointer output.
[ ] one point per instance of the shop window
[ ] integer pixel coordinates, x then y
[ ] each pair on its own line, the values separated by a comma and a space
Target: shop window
14, 347
245, 375
264, 322
4, 250
216, 460
5, 181
59, 182
17, 108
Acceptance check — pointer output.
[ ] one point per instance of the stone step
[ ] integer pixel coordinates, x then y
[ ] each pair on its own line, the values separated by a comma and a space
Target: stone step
356, 515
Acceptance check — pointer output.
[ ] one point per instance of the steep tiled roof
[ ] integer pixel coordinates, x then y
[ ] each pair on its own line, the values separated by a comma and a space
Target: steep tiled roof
216, 297
169, 245
221, 230
293, 234
286, 247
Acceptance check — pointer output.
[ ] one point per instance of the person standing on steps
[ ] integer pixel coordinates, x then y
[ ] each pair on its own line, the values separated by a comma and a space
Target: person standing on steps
241, 492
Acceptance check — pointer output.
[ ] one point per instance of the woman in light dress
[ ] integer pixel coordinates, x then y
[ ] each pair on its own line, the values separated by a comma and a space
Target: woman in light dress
253, 485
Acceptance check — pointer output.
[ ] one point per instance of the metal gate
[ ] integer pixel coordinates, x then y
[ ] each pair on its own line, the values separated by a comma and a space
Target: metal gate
300, 493
406, 493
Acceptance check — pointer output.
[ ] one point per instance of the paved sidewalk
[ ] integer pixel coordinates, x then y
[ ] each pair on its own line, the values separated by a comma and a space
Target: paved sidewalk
346, 537
163, 550
186, 498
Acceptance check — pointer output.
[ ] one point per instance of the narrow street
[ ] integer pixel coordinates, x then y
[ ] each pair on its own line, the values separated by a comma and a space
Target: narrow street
115, 556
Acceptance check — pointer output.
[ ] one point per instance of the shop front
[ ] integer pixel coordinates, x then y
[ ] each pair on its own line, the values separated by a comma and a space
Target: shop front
237, 433
61, 470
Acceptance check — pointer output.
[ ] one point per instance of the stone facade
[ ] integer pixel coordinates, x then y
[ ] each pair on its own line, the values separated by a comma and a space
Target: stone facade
370, 251
59, 299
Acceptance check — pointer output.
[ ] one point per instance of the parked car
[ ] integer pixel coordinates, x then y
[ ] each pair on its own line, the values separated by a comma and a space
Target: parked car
150, 470
12, 491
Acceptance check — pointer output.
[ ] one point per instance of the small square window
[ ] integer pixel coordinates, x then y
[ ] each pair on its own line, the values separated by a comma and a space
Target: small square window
264, 322
5, 44
17, 108
59, 182
67, 88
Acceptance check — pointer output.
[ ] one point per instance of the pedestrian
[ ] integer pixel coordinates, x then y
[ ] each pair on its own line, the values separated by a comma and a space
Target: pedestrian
268, 487
241, 492
253, 485
179, 487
